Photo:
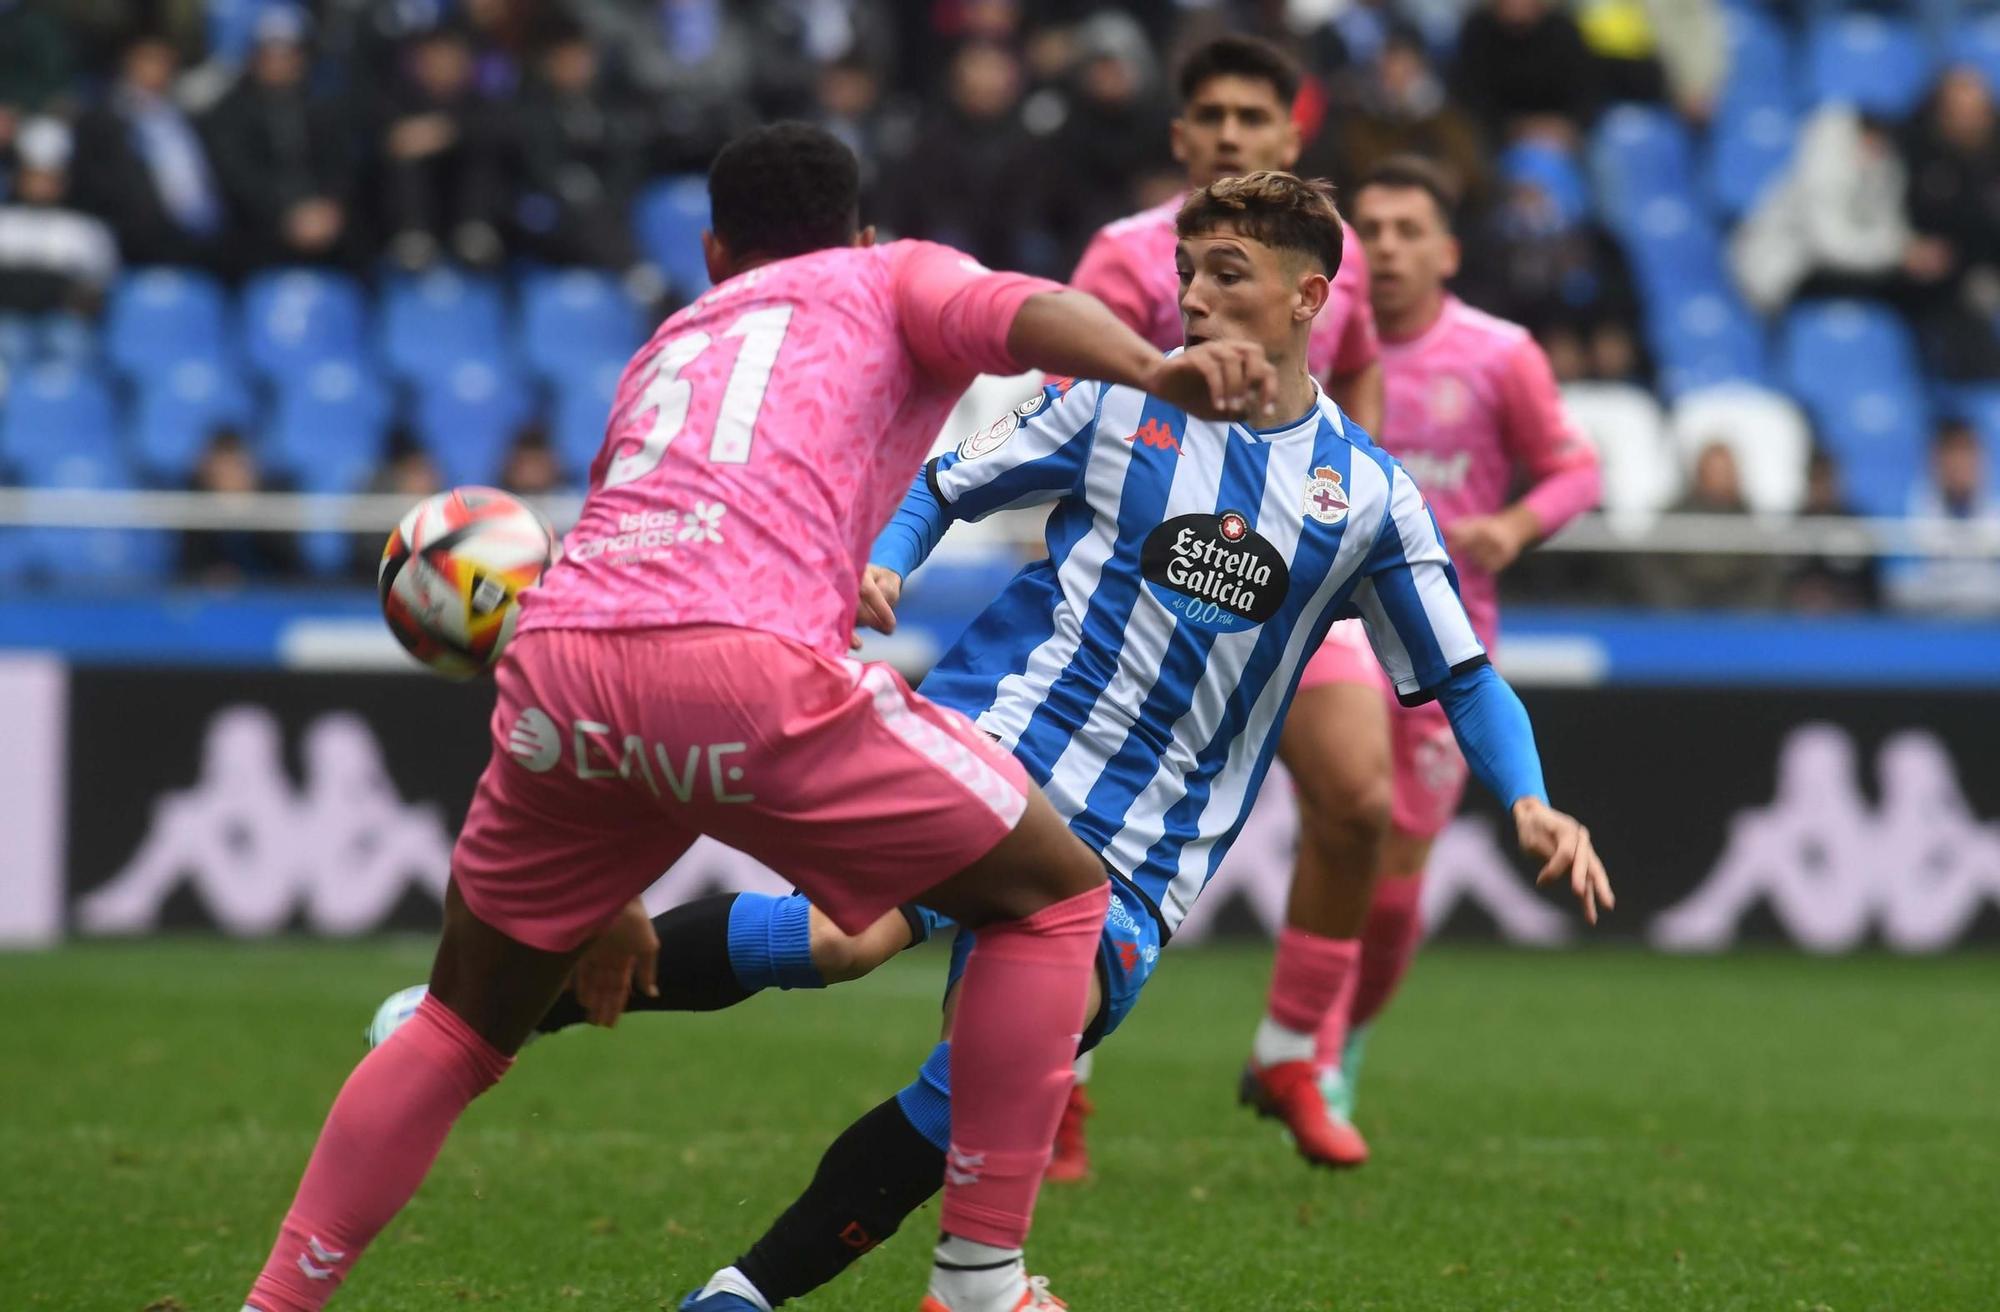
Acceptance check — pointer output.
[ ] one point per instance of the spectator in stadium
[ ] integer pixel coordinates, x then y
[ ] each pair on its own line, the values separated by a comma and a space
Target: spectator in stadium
1831, 581
1110, 134
531, 468
143, 167
1523, 69
1658, 51
1401, 108
970, 178
1833, 224
1712, 579
282, 155
1953, 152
233, 557
1958, 490
440, 160
849, 102
52, 256
35, 65
581, 156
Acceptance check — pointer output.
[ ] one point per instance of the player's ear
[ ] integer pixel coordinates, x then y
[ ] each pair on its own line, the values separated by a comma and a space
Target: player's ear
1313, 289
1453, 257
1288, 154
721, 268
865, 237
1177, 137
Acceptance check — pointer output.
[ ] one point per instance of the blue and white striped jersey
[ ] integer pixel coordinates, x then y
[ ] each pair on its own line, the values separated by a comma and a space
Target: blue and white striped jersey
1141, 671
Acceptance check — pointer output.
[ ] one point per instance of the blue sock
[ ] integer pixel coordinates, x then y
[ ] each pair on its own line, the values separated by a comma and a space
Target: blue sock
770, 942
926, 1100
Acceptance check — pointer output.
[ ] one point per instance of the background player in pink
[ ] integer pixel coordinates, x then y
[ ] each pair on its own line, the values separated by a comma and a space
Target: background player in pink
1237, 95
1473, 412
682, 671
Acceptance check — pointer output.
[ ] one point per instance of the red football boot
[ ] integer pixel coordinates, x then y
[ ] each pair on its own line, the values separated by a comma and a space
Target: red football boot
1289, 1092
1072, 1156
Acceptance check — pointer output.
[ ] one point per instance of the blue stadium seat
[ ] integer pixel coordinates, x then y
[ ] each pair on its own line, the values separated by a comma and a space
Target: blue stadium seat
1876, 63
1554, 172
1879, 436
1834, 349
158, 316
295, 318
468, 419
1977, 42
1704, 338
1763, 72
582, 407
1674, 248
574, 319
329, 427
1748, 150
70, 555
435, 318
176, 411
54, 411
1638, 155
669, 219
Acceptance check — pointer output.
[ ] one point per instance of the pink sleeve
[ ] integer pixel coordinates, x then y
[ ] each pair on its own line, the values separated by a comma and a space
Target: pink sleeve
1359, 344
1106, 272
1559, 461
955, 313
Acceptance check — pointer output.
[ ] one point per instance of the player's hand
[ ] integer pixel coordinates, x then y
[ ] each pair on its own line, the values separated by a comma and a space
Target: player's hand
1489, 541
1563, 845
624, 959
881, 589
1217, 380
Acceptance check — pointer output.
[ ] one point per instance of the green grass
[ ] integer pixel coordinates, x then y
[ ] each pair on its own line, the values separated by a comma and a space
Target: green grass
1592, 1131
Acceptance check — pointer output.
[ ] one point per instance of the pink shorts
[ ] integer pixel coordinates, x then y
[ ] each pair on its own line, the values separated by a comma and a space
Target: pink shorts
1430, 770
614, 750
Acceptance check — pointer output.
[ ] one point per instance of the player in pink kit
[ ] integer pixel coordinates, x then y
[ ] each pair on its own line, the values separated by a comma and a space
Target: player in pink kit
1237, 95
1473, 412
683, 671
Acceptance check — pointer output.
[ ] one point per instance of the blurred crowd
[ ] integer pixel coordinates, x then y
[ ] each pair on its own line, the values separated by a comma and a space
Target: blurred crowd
371, 136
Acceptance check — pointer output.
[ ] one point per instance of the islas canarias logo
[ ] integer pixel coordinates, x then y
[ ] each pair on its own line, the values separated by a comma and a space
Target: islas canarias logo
1214, 571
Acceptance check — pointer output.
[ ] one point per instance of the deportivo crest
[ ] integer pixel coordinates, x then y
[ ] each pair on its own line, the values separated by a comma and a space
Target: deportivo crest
991, 438
1326, 499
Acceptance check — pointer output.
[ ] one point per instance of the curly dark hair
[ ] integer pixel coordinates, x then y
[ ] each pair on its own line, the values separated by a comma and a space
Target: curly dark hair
784, 190
1281, 210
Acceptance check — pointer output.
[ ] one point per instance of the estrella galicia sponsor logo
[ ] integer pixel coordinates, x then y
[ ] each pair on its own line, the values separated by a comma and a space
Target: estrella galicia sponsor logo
1214, 571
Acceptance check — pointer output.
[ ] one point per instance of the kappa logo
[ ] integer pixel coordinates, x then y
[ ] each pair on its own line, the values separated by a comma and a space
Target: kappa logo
1157, 435
1326, 499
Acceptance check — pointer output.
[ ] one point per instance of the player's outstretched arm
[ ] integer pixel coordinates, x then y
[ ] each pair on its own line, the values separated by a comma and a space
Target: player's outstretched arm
1075, 334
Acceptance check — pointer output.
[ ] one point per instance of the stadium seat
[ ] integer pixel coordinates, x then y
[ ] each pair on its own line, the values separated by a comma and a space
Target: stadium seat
469, 418
582, 407
1641, 477
329, 427
1554, 172
160, 316
295, 318
1833, 349
176, 410
1762, 69
1766, 432
1977, 42
1871, 61
1639, 154
575, 319
1880, 437
434, 319
1703, 338
53, 411
1674, 248
669, 217
1748, 149
74, 555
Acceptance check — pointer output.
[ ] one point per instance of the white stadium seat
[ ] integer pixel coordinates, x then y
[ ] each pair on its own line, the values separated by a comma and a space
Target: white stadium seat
1767, 433
1624, 423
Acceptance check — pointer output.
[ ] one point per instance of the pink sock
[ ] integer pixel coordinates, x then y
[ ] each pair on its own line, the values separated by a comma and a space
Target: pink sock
384, 1131
1387, 943
1020, 1015
1308, 976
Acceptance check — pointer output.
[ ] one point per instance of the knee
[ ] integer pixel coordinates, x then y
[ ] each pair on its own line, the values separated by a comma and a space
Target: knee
1349, 816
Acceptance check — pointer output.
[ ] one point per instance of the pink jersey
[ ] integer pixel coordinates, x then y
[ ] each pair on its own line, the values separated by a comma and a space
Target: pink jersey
1472, 411
1129, 265
761, 439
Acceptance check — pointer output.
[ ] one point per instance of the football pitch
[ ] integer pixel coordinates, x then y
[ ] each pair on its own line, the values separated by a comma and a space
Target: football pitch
1600, 1130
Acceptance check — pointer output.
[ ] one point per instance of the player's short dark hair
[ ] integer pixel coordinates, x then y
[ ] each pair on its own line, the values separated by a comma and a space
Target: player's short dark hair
1281, 210
784, 190
1240, 56
1416, 173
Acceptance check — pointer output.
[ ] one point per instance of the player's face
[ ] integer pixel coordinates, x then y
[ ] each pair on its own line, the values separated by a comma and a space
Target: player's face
1237, 289
1234, 125
1411, 253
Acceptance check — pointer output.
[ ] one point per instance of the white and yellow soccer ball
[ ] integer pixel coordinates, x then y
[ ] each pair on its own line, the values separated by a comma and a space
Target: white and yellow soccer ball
453, 572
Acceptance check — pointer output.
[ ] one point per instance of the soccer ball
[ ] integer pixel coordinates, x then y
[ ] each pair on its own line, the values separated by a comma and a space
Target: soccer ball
453, 572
